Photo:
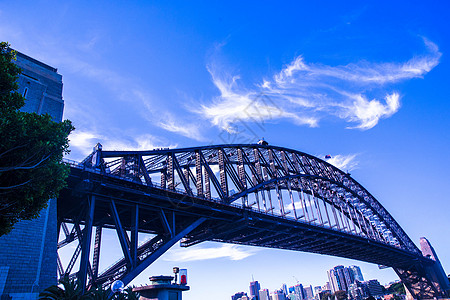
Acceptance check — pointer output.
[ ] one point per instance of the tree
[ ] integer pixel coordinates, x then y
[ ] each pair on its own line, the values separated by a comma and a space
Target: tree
340, 295
71, 291
31, 150
396, 288
326, 296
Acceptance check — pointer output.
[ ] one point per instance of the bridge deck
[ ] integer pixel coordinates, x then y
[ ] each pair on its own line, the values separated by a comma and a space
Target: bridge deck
225, 222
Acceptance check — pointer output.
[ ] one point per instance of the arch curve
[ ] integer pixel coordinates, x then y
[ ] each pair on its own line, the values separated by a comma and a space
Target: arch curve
227, 173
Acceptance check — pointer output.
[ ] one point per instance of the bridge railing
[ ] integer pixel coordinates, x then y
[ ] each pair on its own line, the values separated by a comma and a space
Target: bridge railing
235, 204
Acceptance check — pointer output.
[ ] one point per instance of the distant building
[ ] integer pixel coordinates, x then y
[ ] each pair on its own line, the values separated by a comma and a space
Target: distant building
348, 276
299, 291
28, 254
357, 274
337, 279
340, 278
309, 293
323, 292
238, 296
326, 286
358, 290
284, 288
374, 287
278, 295
264, 294
317, 290
254, 290
292, 296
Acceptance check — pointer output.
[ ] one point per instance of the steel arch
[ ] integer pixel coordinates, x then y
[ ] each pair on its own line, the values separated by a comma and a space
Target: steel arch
269, 180
238, 165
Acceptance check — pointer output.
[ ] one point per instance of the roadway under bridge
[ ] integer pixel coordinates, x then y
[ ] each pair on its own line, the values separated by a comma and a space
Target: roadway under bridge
256, 195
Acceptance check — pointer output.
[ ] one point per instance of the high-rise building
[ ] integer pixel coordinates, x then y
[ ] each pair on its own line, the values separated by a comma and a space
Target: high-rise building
348, 276
299, 291
278, 295
28, 254
317, 290
309, 293
357, 274
334, 279
340, 278
264, 294
254, 290
284, 288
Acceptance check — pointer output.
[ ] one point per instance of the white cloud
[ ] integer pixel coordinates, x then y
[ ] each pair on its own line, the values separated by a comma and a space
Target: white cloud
189, 130
305, 92
236, 105
82, 142
344, 162
229, 251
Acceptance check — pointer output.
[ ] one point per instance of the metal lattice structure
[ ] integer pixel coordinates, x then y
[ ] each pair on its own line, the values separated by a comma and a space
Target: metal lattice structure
256, 195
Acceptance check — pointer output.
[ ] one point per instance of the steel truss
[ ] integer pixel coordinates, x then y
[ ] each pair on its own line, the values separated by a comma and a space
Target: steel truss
272, 183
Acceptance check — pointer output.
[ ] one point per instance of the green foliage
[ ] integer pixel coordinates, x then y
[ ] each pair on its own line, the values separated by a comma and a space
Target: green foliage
31, 150
340, 295
71, 291
396, 288
326, 296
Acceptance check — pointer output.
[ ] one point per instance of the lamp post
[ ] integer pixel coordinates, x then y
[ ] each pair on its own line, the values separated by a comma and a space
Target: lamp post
117, 287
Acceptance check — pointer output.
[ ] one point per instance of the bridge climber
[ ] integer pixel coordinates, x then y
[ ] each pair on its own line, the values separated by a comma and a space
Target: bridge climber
257, 194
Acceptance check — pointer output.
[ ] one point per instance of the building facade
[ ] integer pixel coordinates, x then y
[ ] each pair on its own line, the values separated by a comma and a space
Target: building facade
264, 294
28, 255
254, 290
357, 274
309, 293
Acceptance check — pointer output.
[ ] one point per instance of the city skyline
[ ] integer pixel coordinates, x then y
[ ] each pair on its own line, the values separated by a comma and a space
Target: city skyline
361, 83
308, 291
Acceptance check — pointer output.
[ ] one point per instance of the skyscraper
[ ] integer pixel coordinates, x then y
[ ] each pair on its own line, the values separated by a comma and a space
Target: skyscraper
28, 253
254, 290
299, 291
339, 278
284, 288
357, 274
278, 295
309, 292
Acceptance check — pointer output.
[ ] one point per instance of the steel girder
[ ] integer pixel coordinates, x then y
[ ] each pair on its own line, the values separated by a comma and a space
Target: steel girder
232, 172
276, 182
124, 218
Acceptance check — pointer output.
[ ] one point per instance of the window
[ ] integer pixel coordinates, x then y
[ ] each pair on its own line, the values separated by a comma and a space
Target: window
25, 91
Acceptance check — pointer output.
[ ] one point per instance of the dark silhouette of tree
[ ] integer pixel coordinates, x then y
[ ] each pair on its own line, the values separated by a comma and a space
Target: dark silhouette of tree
71, 291
31, 149
341, 295
327, 296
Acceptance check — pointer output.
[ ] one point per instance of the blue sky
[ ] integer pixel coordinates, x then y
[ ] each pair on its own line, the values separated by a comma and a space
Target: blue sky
366, 82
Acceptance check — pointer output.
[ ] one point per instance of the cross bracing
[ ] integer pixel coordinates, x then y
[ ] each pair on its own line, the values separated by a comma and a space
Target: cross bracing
246, 194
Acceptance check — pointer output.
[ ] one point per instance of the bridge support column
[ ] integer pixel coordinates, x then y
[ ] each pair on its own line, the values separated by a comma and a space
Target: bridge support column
86, 245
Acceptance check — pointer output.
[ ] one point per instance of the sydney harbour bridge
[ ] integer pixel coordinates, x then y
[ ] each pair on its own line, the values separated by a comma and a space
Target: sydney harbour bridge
257, 195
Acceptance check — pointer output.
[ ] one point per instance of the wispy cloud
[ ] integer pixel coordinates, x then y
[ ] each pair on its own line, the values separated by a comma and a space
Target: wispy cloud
181, 127
237, 104
306, 92
344, 162
82, 142
232, 252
